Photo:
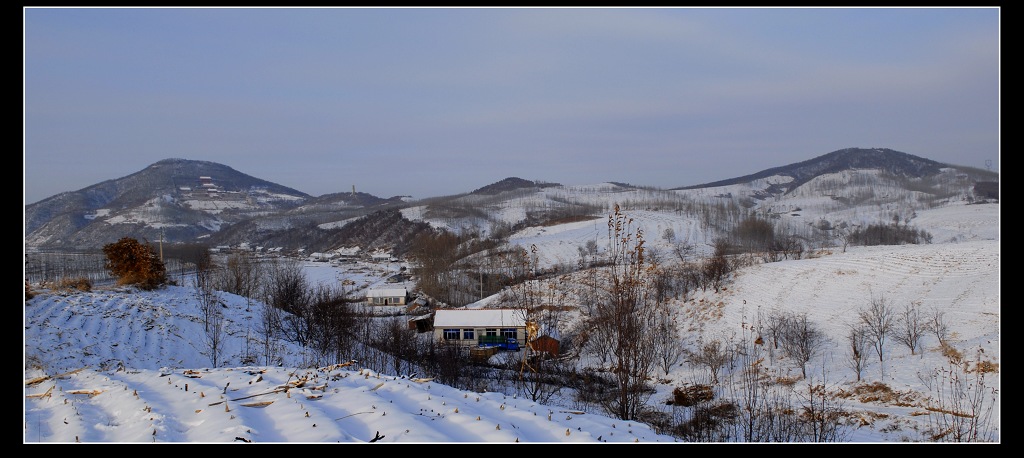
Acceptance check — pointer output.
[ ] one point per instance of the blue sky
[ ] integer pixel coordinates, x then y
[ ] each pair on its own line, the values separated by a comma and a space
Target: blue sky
436, 101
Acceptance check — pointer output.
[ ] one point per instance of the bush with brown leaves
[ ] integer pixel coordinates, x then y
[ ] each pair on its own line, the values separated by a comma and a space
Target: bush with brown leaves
134, 263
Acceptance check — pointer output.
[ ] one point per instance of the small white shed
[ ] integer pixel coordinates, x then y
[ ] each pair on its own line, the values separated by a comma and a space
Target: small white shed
387, 296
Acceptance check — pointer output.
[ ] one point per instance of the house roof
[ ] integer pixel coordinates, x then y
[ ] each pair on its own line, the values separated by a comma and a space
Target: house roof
480, 318
386, 292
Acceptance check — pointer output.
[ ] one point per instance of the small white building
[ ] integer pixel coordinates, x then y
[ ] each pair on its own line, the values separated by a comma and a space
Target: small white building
467, 326
381, 256
387, 296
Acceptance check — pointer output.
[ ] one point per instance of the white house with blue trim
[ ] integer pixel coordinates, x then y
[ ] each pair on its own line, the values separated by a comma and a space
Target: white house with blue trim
466, 326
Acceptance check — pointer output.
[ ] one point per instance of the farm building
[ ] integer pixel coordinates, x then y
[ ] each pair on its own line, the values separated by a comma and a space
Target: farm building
543, 338
387, 296
468, 326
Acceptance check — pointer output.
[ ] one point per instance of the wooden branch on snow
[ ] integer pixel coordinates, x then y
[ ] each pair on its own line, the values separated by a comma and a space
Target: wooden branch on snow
337, 366
40, 395
351, 414
258, 404
276, 390
44, 378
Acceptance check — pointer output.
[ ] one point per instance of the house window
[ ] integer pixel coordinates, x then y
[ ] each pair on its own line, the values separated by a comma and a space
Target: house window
450, 334
467, 334
509, 332
490, 332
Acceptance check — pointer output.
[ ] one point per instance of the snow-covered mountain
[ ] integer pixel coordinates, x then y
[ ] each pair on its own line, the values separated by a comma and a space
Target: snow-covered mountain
178, 200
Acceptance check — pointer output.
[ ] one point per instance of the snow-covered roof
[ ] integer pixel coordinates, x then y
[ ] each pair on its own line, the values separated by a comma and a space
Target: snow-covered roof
481, 318
386, 292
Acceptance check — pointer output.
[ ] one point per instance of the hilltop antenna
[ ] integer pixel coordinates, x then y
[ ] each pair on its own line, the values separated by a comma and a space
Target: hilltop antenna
353, 190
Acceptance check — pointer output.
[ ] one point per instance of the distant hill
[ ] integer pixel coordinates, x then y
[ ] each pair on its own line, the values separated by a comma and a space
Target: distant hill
894, 162
512, 184
179, 200
173, 199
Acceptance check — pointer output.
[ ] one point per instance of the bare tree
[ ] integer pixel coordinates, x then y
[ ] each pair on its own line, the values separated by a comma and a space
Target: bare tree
717, 266
683, 250
188, 257
666, 342
803, 340
712, 354
448, 362
215, 336
540, 376
269, 330
910, 327
844, 236
435, 256
394, 338
627, 313
595, 340
857, 338
287, 289
333, 320
774, 324
668, 235
209, 306
654, 255
878, 320
937, 325
241, 275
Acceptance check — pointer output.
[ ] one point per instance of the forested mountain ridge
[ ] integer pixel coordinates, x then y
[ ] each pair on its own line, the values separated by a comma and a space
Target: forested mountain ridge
178, 200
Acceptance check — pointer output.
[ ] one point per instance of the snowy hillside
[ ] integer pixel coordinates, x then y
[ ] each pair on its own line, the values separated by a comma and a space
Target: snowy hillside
138, 351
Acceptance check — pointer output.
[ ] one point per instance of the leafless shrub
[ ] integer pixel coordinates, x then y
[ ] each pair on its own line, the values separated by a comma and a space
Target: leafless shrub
910, 327
879, 321
712, 355
962, 406
857, 338
937, 325
74, 284
691, 395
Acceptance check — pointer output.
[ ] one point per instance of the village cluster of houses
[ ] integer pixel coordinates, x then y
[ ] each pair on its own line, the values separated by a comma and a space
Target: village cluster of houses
469, 327
491, 328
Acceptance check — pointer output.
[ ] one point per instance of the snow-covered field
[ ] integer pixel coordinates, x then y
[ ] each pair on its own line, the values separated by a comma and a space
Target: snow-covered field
138, 351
